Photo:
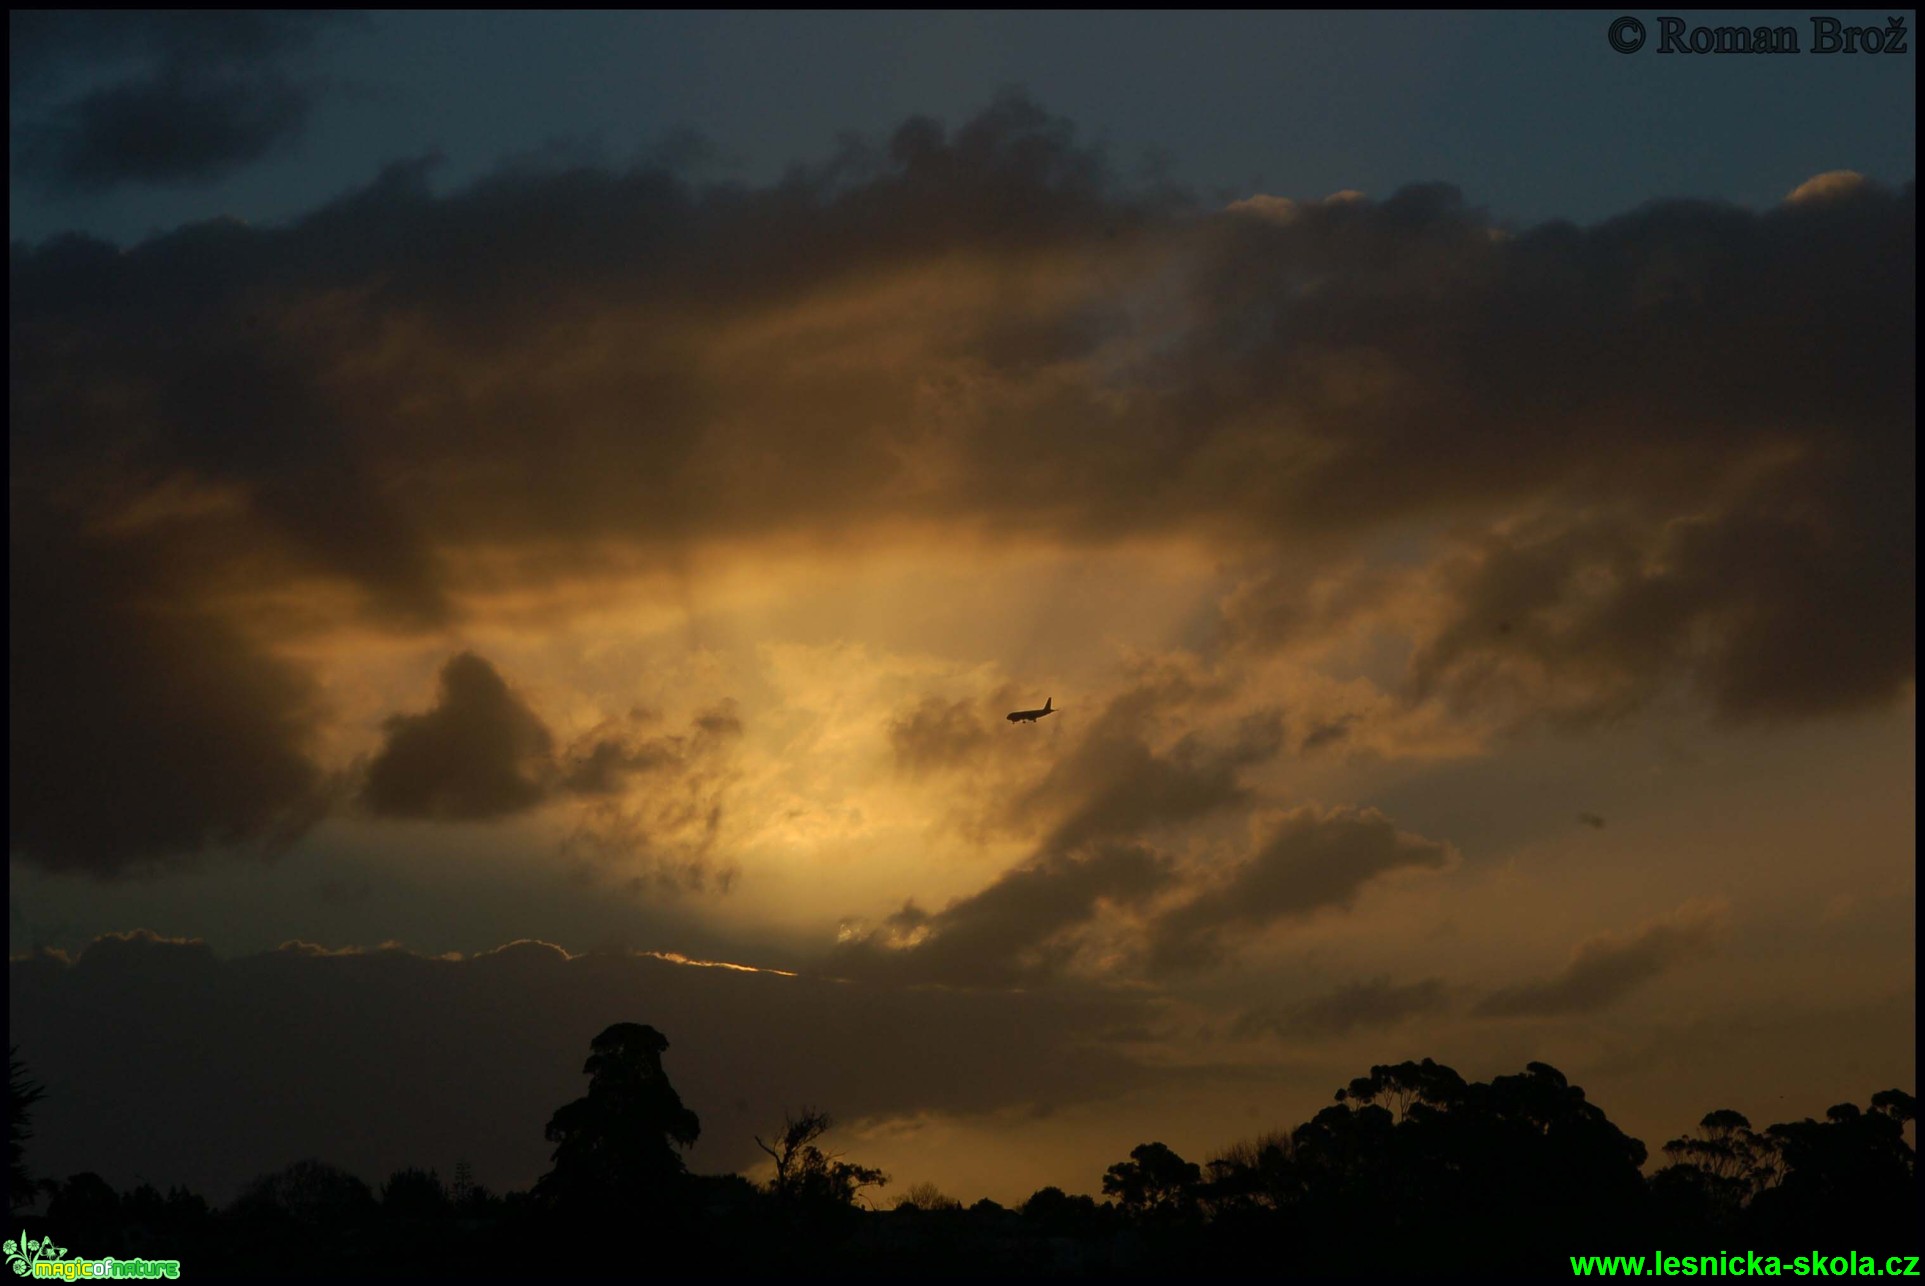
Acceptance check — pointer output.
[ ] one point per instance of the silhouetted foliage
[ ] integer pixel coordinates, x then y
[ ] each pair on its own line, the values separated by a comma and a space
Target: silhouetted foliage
1258, 1174
617, 1145
22, 1093
84, 1201
1850, 1175
1714, 1173
415, 1194
1059, 1214
1412, 1170
804, 1173
1154, 1181
1405, 1085
926, 1197
1412, 1160
309, 1192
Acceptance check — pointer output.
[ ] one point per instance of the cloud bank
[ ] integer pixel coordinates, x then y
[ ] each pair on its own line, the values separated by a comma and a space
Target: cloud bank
1607, 968
226, 1068
1671, 453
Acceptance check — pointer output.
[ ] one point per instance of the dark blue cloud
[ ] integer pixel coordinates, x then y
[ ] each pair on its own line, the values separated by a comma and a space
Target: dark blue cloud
190, 98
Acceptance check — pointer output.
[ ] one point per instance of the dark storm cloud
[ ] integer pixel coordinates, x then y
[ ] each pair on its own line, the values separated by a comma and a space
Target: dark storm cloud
480, 752
1033, 921
1123, 787
199, 94
175, 127
1109, 794
1362, 1006
606, 759
1326, 734
1676, 447
42, 42
644, 801
1794, 599
606, 762
1714, 404
224, 1069
1358, 363
1100, 802
1607, 968
1314, 860
1115, 782
654, 800
141, 728
1020, 929
936, 734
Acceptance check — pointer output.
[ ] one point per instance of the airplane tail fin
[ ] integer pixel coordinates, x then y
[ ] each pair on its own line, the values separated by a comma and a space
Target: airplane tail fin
1046, 702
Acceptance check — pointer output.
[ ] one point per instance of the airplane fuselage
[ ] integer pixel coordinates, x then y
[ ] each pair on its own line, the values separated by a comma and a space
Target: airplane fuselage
1030, 716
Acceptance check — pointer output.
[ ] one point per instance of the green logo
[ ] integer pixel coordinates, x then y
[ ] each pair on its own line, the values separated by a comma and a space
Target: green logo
42, 1259
22, 1255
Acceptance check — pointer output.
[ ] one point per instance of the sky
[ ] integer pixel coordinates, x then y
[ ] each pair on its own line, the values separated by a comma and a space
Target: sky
525, 522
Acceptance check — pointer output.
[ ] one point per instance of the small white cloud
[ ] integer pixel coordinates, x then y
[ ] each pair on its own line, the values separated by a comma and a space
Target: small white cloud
1279, 209
1827, 186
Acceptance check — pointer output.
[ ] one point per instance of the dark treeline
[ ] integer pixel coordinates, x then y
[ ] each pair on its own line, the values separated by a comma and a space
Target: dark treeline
1411, 1171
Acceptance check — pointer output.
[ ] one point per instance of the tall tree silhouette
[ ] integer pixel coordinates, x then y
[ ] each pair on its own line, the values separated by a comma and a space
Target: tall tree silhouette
22, 1093
617, 1145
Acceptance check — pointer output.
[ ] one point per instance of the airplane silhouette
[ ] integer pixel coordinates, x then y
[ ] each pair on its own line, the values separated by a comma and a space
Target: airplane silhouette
1031, 716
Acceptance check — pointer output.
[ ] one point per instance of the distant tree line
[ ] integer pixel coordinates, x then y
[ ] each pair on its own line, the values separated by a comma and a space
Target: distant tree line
1411, 1170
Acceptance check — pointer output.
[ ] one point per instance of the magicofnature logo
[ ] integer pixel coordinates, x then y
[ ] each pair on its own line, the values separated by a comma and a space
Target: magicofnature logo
44, 1260
23, 1254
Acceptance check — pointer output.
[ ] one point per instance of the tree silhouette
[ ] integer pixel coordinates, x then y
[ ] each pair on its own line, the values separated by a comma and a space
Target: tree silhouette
1412, 1155
804, 1173
1852, 1174
1059, 1214
158, 1221
617, 1145
1714, 1173
84, 1201
415, 1193
1259, 1174
1342, 1153
22, 1093
462, 1184
926, 1196
1406, 1085
1154, 1180
311, 1192
1412, 1170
